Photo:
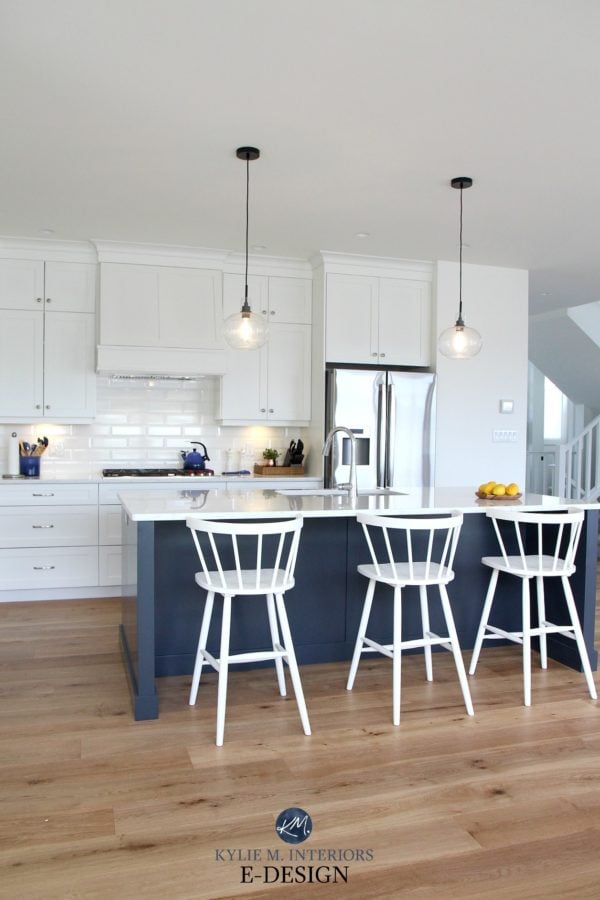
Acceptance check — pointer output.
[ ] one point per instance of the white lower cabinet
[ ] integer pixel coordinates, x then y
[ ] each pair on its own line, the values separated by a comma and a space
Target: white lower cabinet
48, 536
48, 567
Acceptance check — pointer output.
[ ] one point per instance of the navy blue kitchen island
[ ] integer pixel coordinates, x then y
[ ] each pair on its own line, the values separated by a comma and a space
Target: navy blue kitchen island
162, 606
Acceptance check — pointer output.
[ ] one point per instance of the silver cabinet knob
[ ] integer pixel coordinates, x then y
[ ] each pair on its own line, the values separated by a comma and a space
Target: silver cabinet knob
272, 312
373, 354
48, 300
38, 405
38, 299
47, 406
271, 410
263, 312
382, 355
263, 410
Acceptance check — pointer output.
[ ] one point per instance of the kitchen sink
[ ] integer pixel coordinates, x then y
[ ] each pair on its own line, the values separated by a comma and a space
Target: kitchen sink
338, 492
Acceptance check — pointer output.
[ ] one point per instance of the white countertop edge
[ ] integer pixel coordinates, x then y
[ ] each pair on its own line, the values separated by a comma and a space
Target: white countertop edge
149, 506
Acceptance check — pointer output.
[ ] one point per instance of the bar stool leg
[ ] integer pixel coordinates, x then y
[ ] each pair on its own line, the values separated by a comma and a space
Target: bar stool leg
458, 660
275, 640
362, 630
202, 640
484, 620
223, 670
541, 605
585, 662
526, 643
426, 628
397, 658
292, 664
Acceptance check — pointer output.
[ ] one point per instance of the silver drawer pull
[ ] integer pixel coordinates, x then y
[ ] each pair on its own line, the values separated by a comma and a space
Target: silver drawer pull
42, 526
42, 495
43, 568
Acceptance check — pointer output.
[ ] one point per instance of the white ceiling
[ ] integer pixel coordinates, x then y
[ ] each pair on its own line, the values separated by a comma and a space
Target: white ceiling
120, 120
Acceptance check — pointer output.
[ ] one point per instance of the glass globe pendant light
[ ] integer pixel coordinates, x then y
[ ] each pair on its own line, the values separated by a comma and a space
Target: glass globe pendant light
459, 341
246, 330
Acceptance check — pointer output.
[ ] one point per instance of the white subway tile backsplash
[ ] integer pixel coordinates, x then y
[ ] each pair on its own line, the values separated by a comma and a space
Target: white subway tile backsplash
141, 425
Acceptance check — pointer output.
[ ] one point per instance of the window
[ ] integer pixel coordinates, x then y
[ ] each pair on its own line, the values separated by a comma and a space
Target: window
554, 413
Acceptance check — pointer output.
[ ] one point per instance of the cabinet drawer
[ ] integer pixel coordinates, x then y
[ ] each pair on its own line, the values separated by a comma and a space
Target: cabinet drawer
48, 526
49, 568
109, 566
109, 522
47, 493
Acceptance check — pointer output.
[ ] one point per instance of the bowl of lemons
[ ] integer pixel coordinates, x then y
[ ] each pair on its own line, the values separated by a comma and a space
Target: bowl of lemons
493, 490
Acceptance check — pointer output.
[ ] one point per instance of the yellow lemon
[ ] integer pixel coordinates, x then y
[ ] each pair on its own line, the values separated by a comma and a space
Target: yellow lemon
483, 488
499, 490
513, 489
487, 487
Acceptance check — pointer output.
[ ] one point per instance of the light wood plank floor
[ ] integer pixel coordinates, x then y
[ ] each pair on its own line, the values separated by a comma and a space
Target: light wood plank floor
94, 805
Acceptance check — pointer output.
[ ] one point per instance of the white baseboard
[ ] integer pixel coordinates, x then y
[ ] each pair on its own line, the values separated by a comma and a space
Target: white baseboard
83, 593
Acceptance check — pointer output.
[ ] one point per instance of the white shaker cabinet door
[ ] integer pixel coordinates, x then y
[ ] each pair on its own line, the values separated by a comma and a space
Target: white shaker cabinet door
351, 319
290, 300
21, 363
404, 322
289, 373
70, 381
21, 283
244, 387
70, 287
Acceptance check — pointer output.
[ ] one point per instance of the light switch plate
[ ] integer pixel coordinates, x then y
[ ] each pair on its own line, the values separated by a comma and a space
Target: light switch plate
504, 436
506, 406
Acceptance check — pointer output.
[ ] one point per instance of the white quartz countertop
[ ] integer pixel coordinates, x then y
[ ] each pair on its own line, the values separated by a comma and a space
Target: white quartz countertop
147, 506
176, 479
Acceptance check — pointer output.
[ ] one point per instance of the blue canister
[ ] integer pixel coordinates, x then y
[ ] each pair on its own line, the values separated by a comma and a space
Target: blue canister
30, 466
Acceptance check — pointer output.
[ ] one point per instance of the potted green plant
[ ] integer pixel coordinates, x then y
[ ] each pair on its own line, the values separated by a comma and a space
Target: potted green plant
270, 456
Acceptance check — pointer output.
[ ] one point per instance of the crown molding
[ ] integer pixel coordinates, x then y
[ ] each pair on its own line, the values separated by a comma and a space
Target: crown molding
46, 249
379, 266
159, 254
289, 266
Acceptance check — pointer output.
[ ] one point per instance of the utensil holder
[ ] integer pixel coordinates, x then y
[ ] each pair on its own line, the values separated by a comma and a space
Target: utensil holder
30, 466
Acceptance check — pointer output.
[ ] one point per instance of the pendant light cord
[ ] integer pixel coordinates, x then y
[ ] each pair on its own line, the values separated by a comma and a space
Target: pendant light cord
247, 220
460, 249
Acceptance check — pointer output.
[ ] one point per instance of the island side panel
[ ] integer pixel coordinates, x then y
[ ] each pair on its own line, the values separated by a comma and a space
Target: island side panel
316, 606
137, 632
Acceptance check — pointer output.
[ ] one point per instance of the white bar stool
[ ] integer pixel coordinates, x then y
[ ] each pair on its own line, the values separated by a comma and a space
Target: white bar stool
272, 547
555, 545
422, 569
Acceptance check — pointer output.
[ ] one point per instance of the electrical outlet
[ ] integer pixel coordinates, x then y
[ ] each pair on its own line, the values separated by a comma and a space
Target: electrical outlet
504, 436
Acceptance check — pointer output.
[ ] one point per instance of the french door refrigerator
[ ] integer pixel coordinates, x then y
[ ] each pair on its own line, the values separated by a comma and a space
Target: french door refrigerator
392, 414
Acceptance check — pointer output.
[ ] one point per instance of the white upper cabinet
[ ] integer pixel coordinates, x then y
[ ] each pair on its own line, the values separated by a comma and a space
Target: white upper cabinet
70, 286
272, 384
278, 298
47, 340
21, 283
377, 320
160, 307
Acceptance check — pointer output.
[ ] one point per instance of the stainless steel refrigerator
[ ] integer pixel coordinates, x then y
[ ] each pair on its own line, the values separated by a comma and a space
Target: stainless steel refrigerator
392, 414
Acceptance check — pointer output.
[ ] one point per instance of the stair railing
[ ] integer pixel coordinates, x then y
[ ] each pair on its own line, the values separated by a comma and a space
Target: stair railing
579, 465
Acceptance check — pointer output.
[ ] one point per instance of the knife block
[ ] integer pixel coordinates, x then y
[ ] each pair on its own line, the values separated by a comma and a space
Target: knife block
278, 471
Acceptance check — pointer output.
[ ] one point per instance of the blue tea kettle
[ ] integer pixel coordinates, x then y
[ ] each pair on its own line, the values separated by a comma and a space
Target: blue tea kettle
194, 459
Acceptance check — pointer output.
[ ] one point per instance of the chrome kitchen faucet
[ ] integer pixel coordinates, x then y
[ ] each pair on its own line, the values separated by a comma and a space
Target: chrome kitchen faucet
349, 486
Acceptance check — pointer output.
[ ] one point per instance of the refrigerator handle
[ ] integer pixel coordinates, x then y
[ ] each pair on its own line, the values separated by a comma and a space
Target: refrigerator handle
390, 429
380, 449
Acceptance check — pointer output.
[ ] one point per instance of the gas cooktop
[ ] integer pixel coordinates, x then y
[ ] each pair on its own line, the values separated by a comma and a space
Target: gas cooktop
155, 473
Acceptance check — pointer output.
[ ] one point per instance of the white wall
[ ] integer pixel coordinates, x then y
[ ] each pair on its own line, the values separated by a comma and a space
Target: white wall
469, 391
